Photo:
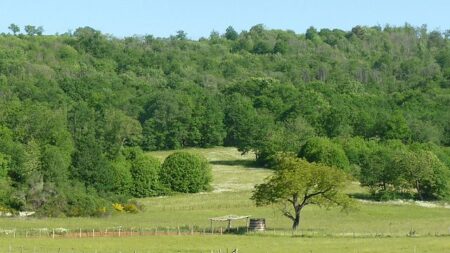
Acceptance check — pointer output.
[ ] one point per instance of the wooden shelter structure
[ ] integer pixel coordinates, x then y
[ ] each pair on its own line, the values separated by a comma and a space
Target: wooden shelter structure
229, 219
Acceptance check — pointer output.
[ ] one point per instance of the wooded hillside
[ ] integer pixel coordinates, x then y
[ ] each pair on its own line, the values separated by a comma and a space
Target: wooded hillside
77, 110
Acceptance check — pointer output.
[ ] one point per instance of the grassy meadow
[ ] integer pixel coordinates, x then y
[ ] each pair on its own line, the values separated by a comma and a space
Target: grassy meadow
372, 227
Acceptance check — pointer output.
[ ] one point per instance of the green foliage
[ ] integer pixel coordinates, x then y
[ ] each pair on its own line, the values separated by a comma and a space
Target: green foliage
4, 165
185, 172
32, 30
323, 150
122, 178
424, 172
72, 104
145, 172
14, 28
298, 183
231, 34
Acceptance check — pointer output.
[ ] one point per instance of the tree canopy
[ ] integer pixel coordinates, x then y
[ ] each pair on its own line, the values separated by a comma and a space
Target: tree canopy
298, 183
71, 105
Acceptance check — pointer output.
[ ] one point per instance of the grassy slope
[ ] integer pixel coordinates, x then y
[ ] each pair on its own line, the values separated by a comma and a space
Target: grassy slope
233, 180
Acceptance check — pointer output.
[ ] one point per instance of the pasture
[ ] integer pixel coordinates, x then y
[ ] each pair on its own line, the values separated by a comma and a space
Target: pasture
372, 227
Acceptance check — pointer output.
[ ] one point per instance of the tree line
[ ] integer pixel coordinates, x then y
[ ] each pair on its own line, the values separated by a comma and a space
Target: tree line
78, 109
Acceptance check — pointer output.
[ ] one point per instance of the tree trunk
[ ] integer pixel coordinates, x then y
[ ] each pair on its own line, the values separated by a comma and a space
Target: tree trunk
297, 207
296, 223
419, 192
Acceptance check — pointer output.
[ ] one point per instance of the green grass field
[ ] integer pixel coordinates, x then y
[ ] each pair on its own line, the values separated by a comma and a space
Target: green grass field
373, 227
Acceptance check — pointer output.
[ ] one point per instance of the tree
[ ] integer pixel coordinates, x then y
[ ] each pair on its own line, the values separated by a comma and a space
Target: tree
396, 127
298, 183
323, 150
185, 172
145, 172
14, 28
4, 165
181, 35
33, 30
121, 176
424, 172
231, 34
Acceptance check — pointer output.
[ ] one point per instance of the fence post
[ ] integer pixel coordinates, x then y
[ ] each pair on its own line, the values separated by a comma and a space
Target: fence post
53, 233
221, 231
192, 230
80, 233
93, 232
178, 230
119, 232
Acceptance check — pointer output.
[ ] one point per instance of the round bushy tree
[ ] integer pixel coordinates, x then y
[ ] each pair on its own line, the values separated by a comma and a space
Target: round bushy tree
185, 172
145, 170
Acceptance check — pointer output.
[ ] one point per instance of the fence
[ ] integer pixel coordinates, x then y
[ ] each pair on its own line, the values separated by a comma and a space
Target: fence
187, 230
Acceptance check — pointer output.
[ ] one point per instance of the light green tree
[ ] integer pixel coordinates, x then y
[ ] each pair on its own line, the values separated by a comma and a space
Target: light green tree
298, 183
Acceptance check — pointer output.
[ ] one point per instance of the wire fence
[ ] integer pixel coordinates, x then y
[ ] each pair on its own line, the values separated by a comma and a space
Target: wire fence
187, 230
36, 249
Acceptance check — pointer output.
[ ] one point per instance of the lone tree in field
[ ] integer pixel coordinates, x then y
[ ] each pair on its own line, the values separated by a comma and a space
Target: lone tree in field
298, 183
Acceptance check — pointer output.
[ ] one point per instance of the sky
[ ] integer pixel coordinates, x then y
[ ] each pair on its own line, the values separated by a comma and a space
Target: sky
198, 18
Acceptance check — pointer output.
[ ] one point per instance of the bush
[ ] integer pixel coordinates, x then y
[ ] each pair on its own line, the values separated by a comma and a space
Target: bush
121, 176
323, 150
130, 208
185, 172
145, 173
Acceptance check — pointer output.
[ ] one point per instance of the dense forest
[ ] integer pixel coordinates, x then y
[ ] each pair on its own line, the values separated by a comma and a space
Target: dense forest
78, 110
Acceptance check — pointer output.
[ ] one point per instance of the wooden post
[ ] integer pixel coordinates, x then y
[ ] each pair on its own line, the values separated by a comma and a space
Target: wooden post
80, 233
192, 230
53, 233
93, 233
156, 231
119, 232
221, 232
178, 230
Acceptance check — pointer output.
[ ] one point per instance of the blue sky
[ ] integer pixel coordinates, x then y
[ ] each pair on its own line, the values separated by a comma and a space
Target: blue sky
199, 17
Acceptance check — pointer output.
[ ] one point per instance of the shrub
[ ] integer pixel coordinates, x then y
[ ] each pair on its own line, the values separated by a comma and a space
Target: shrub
323, 150
145, 173
185, 172
130, 208
118, 207
121, 176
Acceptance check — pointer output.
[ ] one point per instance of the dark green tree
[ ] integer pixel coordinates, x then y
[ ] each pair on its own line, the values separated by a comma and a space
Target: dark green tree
14, 28
231, 34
